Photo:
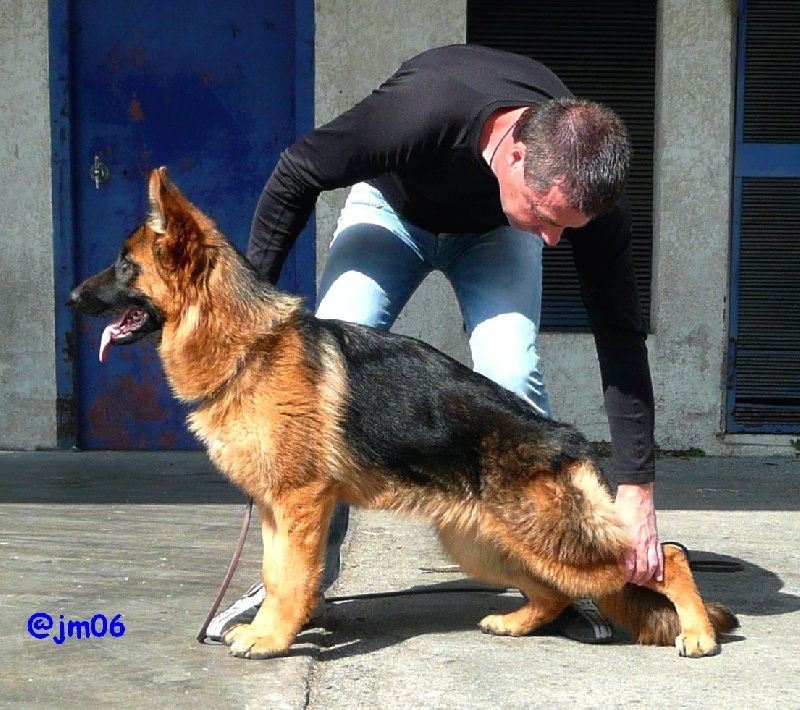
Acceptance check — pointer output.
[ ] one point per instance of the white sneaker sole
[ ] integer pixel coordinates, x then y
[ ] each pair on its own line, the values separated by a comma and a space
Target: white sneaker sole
244, 610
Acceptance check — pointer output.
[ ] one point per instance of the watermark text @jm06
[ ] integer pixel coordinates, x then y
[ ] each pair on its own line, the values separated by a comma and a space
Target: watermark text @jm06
41, 626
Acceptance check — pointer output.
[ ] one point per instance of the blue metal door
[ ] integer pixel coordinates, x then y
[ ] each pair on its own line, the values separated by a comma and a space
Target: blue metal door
214, 91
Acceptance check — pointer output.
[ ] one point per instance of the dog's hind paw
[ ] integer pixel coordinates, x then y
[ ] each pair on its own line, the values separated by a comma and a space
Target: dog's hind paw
696, 645
494, 625
517, 623
245, 642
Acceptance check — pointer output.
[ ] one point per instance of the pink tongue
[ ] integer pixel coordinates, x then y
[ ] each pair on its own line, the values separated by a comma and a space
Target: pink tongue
111, 330
105, 341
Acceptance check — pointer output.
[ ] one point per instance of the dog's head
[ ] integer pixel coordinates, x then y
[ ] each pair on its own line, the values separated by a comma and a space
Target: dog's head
163, 262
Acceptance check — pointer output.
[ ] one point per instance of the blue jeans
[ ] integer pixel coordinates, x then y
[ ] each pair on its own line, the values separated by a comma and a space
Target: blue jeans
377, 260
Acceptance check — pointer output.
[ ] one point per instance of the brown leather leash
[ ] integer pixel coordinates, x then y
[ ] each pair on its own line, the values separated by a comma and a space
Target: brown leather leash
248, 513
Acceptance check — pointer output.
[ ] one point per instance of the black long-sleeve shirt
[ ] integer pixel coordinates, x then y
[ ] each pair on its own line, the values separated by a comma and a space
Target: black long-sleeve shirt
416, 139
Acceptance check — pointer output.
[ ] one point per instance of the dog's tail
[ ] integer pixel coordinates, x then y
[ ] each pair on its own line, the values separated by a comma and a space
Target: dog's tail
566, 523
651, 618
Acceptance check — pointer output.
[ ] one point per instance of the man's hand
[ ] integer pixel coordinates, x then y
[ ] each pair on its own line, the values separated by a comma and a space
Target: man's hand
635, 508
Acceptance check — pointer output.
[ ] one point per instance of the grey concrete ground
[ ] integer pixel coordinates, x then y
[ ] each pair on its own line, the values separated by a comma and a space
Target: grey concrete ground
148, 537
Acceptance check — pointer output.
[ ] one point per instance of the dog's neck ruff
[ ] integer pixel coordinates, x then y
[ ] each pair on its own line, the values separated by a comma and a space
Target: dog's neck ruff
216, 384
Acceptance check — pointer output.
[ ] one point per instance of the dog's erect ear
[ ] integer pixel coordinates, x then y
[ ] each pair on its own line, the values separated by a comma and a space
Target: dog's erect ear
156, 189
166, 201
180, 244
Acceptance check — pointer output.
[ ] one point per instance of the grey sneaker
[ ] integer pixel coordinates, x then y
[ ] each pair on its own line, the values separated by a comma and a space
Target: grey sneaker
244, 610
582, 621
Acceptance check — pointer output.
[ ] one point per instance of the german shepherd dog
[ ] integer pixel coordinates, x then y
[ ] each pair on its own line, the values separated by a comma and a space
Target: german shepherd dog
301, 413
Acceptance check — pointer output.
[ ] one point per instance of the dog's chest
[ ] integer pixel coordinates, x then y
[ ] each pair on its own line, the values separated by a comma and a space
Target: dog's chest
239, 449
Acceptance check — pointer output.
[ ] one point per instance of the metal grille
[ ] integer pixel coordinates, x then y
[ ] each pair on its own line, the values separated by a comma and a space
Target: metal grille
602, 51
767, 364
772, 72
764, 367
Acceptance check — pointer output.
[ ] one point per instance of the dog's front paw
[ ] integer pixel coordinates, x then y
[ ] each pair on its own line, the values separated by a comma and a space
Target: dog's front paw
696, 645
245, 642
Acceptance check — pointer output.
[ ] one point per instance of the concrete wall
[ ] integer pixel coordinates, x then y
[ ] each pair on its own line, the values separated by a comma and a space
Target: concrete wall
348, 66
27, 322
694, 159
358, 44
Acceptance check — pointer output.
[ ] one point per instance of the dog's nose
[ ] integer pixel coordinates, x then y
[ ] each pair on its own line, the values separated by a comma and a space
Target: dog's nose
74, 298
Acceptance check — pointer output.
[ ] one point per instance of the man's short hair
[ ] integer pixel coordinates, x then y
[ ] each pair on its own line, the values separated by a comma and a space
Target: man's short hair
579, 145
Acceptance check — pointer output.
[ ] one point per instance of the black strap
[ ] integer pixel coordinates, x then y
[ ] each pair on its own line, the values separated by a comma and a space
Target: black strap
707, 565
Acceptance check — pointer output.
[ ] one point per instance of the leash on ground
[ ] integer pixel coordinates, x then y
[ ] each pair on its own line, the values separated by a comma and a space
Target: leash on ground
696, 565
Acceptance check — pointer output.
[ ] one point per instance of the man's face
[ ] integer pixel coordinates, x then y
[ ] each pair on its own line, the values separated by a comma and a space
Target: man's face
546, 214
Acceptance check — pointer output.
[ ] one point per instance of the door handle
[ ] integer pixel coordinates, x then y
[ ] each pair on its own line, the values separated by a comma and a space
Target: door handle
99, 172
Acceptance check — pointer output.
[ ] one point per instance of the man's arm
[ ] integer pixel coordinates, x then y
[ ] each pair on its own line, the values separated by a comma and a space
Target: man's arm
390, 130
327, 158
603, 257
628, 396
636, 509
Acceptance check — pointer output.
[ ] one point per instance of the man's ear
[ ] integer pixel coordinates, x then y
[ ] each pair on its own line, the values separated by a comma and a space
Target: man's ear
515, 159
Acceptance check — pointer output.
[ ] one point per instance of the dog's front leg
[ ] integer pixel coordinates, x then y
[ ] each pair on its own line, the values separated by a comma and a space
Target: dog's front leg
294, 530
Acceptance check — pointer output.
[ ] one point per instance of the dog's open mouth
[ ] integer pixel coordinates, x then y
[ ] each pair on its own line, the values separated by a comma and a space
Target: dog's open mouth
130, 326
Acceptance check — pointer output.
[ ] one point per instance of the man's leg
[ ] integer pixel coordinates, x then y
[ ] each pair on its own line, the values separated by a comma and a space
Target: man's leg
372, 269
497, 278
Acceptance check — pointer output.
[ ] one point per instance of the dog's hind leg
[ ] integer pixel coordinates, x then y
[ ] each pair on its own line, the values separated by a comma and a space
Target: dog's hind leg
543, 606
482, 559
294, 530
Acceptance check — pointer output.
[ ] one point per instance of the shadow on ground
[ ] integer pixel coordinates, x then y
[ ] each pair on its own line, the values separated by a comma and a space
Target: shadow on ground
363, 624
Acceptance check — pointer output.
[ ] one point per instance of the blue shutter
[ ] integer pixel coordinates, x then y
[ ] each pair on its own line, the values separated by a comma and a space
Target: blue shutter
764, 352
